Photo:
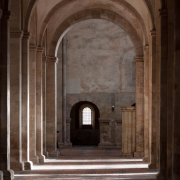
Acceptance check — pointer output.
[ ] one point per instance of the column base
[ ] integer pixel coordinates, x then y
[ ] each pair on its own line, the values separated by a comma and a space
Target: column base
60, 144
34, 159
8, 175
28, 165
41, 158
69, 144
107, 145
138, 154
152, 166
127, 155
45, 153
146, 160
53, 154
17, 166
160, 177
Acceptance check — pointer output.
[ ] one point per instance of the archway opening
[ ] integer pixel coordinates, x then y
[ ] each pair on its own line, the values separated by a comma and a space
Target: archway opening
85, 124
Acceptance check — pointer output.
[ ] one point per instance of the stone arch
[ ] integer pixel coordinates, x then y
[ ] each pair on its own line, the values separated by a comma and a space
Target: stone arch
119, 3
94, 14
31, 7
69, 110
76, 120
151, 11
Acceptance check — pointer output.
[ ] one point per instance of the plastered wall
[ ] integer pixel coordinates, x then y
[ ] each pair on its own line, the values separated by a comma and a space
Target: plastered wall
100, 66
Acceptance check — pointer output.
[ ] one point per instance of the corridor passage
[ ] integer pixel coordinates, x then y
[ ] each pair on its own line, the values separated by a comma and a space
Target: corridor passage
89, 163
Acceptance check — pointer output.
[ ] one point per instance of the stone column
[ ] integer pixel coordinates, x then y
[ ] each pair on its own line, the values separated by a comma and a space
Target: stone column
1, 173
146, 103
51, 107
15, 101
44, 103
32, 104
139, 106
176, 138
68, 143
64, 46
5, 98
39, 107
128, 131
25, 101
162, 134
153, 118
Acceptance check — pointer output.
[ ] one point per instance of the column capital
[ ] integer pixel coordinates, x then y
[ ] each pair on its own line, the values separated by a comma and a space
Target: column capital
52, 59
163, 12
128, 108
139, 59
6, 14
16, 34
26, 35
44, 58
40, 49
1, 13
153, 32
33, 48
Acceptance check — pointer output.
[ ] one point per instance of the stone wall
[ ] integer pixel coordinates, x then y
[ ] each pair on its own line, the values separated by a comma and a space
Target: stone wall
100, 67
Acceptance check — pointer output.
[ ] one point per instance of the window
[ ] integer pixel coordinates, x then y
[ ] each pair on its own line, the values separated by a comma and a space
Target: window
86, 116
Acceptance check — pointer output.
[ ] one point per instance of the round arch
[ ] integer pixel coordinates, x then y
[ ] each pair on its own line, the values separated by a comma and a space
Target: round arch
84, 134
31, 7
94, 14
127, 11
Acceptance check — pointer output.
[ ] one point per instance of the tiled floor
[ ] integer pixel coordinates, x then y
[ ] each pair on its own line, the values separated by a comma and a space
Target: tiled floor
89, 163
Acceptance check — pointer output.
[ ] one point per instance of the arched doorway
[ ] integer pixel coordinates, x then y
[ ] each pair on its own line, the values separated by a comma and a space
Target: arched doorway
84, 124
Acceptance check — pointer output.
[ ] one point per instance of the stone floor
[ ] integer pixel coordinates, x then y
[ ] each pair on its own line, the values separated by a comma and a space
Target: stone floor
89, 163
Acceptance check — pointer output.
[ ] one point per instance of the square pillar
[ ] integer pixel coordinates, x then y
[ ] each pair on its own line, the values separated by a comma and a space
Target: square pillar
32, 104
139, 106
44, 103
51, 107
25, 101
128, 131
6, 172
15, 102
147, 100
39, 108
153, 107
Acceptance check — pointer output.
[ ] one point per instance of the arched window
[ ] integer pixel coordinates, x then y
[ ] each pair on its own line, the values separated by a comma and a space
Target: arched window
86, 116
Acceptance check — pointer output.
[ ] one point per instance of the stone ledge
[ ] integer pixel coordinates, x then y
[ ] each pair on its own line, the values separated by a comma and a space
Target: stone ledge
101, 120
52, 59
16, 34
33, 48
130, 108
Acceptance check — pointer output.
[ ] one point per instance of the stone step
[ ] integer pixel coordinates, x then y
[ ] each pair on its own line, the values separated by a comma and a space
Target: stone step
89, 163
89, 151
66, 160
52, 170
132, 175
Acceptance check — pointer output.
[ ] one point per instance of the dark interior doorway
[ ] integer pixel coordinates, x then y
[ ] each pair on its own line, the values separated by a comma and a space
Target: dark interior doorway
82, 133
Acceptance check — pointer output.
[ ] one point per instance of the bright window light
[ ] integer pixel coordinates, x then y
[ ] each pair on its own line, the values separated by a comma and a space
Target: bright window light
86, 116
